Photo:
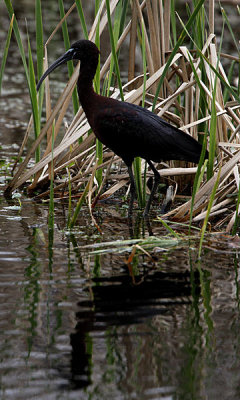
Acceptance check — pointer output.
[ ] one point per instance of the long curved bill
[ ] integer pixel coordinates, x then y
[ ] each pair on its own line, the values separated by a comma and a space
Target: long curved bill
61, 60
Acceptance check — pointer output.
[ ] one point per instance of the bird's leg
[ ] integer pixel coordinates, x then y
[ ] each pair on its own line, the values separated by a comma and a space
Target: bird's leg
132, 190
154, 188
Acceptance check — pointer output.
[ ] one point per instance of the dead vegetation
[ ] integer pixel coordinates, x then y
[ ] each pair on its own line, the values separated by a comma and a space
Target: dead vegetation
190, 77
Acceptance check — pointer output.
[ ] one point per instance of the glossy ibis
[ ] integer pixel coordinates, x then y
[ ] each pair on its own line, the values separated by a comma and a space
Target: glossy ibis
127, 129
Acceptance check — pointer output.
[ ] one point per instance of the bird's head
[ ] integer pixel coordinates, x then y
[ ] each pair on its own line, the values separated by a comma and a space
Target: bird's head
83, 50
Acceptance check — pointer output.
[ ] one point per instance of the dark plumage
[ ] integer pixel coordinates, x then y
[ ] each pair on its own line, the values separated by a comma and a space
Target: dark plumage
125, 128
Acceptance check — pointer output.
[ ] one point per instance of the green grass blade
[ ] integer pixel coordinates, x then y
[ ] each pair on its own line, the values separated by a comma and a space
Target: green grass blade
34, 101
39, 38
114, 49
51, 209
173, 23
99, 159
141, 191
203, 230
116, 33
230, 76
79, 206
212, 136
18, 36
82, 18
97, 5
144, 62
124, 9
197, 27
170, 230
51, 202
238, 8
197, 181
117, 22
237, 219
203, 99
67, 45
138, 180
215, 70
213, 121
175, 49
69, 198
40, 50
235, 41
97, 267
5, 52
99, 146
97, 73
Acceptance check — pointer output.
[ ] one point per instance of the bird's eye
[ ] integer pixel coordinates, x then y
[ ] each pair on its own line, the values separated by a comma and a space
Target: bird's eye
75, 55
72, 52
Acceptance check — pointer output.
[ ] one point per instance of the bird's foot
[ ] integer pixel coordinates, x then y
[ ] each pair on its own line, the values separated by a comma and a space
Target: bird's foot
168, 199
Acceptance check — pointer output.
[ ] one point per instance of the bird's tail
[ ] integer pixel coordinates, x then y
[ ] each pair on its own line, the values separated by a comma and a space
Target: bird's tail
191, 149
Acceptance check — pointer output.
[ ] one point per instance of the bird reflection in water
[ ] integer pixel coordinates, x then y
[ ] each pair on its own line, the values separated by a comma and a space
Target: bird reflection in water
117, 302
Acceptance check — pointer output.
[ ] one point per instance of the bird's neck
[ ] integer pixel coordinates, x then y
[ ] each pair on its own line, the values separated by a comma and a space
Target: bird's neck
85, 84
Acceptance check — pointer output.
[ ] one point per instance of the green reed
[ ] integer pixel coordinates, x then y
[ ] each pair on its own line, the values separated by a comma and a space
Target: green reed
34, 99
69, 198
205, 222
141, 186
237, 219
5, 51
67, 46
51, 198
179, 42
51, 208
79, 206
113, 49
82, 18
28, 66
39, 38
99, 146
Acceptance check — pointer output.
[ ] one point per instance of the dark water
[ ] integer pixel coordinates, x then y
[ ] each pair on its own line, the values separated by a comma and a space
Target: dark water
75, 325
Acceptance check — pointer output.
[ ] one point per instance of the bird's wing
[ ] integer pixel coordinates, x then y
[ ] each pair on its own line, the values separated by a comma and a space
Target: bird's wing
131, 131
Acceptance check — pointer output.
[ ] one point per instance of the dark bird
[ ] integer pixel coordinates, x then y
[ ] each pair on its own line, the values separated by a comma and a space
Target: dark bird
127, 129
